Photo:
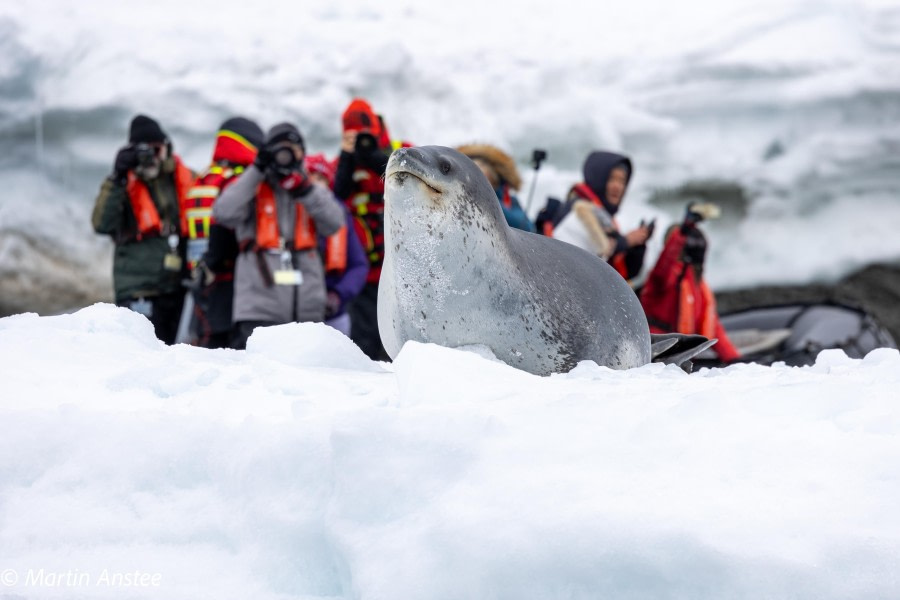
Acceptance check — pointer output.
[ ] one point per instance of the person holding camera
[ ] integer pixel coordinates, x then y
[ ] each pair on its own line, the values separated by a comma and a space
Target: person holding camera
675, 297
140, 205
277, 213
359, 183
500, 169
587, 219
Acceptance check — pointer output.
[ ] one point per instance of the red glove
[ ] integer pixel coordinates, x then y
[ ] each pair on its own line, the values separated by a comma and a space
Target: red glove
297, 183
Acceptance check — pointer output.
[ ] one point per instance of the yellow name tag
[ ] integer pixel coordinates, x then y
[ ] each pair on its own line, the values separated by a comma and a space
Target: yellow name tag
285, 277
172, 262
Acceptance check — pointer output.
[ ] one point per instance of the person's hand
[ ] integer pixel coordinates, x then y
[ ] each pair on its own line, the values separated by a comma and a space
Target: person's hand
638, 237
348, 141
201, 276
332, 304
297, 183
203, 273
126, 160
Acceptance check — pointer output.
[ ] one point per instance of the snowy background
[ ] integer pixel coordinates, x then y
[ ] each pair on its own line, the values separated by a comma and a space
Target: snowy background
788, 112
300, 469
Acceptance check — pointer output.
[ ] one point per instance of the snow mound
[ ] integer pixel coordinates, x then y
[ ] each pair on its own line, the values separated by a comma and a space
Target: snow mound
313, 345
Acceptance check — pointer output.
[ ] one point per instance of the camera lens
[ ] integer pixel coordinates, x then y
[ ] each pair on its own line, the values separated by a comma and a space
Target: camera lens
284, 157
146, 154
365, 142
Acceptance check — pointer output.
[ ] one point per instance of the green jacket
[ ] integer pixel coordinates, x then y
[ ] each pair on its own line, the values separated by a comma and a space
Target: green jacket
138, 268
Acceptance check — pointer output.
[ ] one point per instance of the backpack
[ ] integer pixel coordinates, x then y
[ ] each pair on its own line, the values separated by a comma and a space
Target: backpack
550, 216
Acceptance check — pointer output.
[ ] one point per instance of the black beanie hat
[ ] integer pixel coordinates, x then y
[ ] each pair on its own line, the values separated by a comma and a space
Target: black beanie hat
145, 129
285, 132
245, 128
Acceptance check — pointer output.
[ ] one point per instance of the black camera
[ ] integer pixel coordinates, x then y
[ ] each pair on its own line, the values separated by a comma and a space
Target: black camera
537, 157
145, 154
365, 143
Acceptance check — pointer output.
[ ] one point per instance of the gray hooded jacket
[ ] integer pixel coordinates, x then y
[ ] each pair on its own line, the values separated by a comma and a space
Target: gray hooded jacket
254, 300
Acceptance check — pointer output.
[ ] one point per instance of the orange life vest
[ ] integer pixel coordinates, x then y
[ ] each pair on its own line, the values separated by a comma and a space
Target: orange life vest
336, 251
269, 238
145, 211
197, 209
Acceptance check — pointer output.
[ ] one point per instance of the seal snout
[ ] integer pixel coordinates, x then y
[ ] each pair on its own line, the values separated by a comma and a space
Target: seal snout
406, 163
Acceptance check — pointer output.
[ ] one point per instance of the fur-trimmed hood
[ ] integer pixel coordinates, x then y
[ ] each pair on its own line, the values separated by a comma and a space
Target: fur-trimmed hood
502, 162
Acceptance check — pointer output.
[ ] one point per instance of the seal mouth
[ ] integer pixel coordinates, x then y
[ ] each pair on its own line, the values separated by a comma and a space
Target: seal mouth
400, 176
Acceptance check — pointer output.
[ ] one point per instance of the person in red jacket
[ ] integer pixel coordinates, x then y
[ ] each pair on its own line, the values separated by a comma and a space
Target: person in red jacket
359, 183
675, 297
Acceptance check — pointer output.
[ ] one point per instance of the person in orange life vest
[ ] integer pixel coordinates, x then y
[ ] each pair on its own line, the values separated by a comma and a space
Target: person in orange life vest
276, 213
346, 263
500, 169
675, 297
587, 219
141, 206
212, 249
359, 183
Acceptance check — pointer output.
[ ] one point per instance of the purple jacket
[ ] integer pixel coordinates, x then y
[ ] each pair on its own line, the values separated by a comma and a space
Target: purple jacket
351, 282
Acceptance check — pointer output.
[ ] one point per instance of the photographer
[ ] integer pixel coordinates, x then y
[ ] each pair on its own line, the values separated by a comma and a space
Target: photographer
140, 205
359, 183
675, 297
587, 219
276, 212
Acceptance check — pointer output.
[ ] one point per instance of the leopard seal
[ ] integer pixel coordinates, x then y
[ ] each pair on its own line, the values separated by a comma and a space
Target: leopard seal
455, 274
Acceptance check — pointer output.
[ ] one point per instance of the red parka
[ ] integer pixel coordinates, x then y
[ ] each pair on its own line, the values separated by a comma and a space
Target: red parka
676, 299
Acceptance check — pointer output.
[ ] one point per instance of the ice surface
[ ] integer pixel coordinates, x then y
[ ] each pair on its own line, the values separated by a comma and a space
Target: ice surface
298, 469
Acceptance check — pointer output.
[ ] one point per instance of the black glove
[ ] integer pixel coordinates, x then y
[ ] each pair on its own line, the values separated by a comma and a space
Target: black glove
264, 159
694, 247
126, 160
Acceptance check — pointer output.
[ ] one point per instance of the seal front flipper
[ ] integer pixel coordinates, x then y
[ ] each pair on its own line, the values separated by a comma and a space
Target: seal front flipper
678, 348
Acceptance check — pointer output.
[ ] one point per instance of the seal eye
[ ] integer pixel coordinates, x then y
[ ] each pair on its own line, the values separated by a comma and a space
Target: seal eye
445, 167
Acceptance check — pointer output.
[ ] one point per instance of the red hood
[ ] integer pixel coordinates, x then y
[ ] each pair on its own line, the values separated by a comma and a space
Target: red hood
359, 116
